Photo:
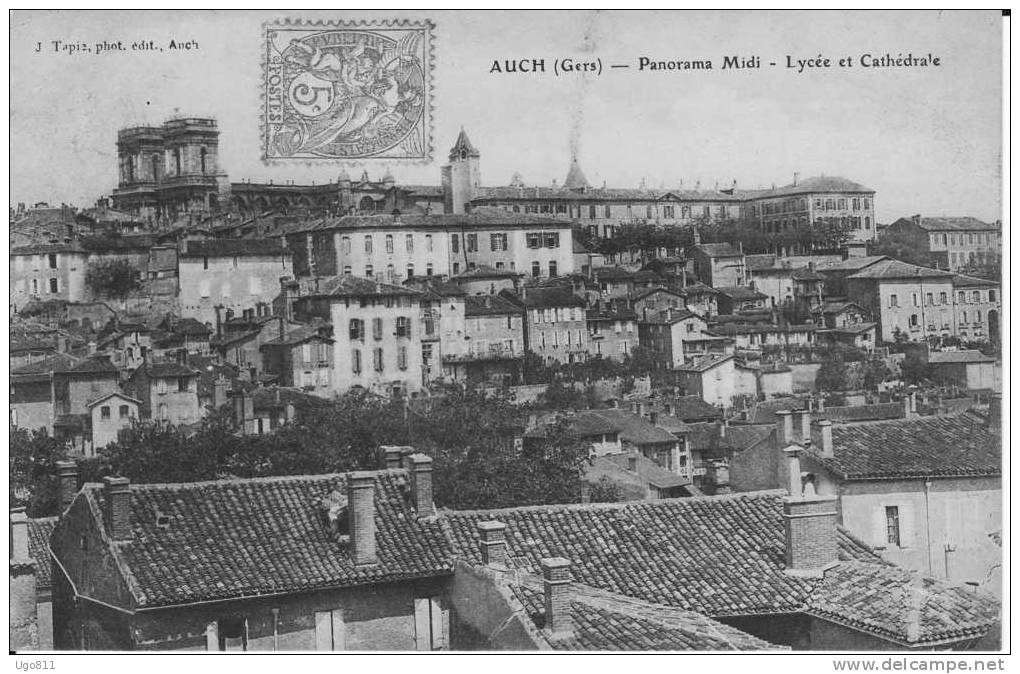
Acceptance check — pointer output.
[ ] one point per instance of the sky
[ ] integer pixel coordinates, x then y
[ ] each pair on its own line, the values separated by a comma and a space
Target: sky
928, 140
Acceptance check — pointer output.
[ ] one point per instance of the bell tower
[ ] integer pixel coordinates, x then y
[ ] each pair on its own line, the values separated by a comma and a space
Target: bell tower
462, 176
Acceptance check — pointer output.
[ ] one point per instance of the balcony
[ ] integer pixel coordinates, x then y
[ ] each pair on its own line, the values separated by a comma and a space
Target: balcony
487, 352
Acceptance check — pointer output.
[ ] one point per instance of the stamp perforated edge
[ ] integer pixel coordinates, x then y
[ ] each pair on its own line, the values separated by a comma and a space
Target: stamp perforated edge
429, 27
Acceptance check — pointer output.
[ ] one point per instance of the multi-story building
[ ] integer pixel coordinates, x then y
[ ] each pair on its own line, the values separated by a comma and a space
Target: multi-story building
377, 341
443, 327
951, 243
612, 330
556, 326
918, 302
301, 357
230, 273
109, 414
494, 349
720, 264
168, 392
665, 335
814, 201
48, 271
393, 248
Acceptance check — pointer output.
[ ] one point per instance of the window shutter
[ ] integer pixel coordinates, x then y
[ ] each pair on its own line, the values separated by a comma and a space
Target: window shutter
907, 538
212, 637
339, 630
422, 625
879, 535
440, 626
323, 631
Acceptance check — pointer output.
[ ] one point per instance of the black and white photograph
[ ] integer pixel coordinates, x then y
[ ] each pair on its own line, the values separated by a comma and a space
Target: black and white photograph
520, 331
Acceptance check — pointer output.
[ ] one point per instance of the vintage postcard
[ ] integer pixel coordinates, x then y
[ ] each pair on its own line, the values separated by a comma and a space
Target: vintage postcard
523, 331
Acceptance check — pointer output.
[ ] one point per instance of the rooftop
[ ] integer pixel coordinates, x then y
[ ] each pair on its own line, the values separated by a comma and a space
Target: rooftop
233, 248
490, 305
352, 286
964, 356
954, 224
895, 269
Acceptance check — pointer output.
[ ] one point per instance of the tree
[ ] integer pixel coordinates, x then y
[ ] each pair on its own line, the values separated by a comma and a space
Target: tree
33, 482
605, 491
111, 278
831, 376
875, 372
558, 396
914, 371
901, 246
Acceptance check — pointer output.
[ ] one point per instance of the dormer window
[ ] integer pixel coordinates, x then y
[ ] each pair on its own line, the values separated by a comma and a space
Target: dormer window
334, 515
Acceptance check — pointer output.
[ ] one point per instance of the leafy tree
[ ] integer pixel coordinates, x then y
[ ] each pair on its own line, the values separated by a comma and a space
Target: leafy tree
876, 372
33, 458
832, 375
559, 396
914, 371
111, 277
901, 247
605, 491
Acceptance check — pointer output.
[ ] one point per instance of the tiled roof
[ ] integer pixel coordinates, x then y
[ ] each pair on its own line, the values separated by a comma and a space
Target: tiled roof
351, 286
699, 287
276, 397
761, 262
44, 248
168, 369
960, 224
60, 362
113, 394
39, 530
490, 305
641, 294
611, 312
836, 306
296, 335
869, 412
955, 445
885, 603
607, 622
633, 428
704, 363
812, 185
853, 263
965, 356
852, 329
191, 326
895, 269
234, 247
94, 365
646, 469
243, 538
479, 217
718, 556
964, 281
731, 329
718, 249
117, 244
694, 408
537, 298
612, 273
741, 293
669, 317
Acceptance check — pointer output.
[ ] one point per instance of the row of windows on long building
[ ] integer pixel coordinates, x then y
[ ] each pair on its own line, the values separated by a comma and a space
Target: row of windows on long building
943, 298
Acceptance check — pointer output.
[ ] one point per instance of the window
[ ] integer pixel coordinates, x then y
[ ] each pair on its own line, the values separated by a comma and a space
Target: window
606, 210
378, 358
961, 297
471, 243
456, 268
428, 269
368, 243
53, 260
892, 525
53, 285
963, 317
913, 296
403, 326
552, 268
390, 273
867, 204
648, 212
377, 332
552, 240
409, 243
330, 633
856, 204
162, 412
161, 386
182, 384
389, 243
976, 296
104, 412
913, 320
893, 301
124, 411
929, 299
455, 243
991, 295
227, 634
347, 270
498, 241
369, 271
402, 357
534, 240
410, 271
345, 245
431, 624
667, 211
428, 242
35, 286
591, 212
536, 269
357, 329
356, 361
977, 316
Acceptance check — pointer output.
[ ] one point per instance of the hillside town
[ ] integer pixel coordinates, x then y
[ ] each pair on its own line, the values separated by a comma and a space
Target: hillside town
360, 414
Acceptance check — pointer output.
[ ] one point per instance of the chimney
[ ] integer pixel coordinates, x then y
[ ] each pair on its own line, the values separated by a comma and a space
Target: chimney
820, 407
995, 412
718, 475
722, 427
796, 177
493, 542
392, 455
117, 507
632, 463
421, 484
361, 509
784, 428
220, 386
821, 437
802, 424
907, 411
556, 583
809, 524
67, 483
19, 535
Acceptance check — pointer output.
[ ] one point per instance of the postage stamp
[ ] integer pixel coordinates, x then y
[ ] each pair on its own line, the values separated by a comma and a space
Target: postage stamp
347, 91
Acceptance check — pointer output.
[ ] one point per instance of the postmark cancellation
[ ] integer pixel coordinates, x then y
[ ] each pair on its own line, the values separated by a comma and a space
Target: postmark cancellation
347, 91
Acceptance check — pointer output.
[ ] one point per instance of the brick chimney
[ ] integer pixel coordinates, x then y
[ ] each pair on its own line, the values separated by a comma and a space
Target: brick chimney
809, 523
821, 437
19, 535
802, 425
493, 542
361, 509
718, 476
995, 412
67, 483
117, 507
421, 485
908, 411
556, 583
784, 428
393, 455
